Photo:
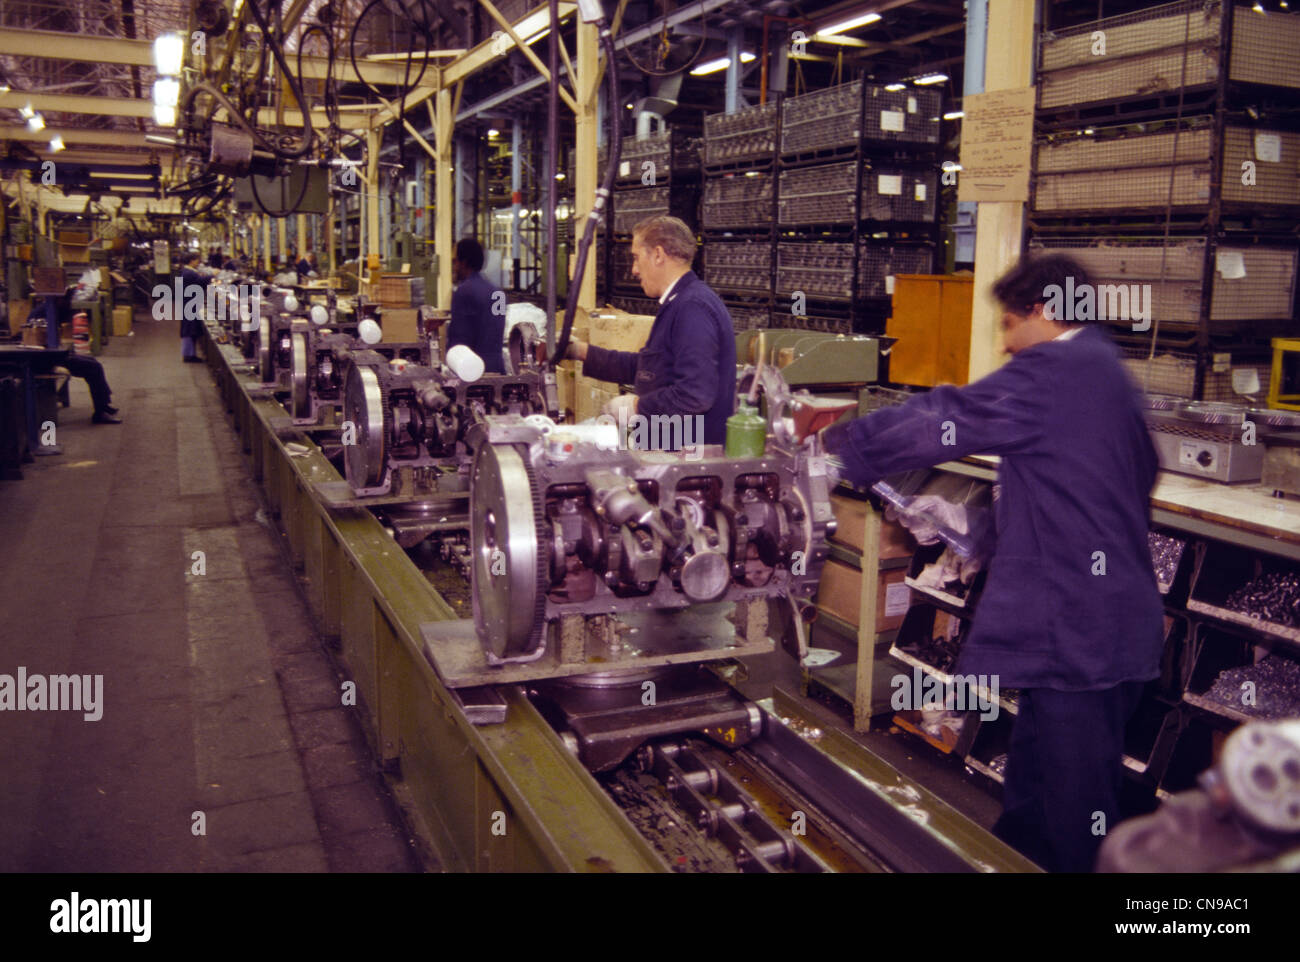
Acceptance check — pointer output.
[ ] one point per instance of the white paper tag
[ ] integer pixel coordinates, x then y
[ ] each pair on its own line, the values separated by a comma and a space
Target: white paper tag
1268, 147
1230, 265
920, 191
892, 120
890, 184
898, 598
1245, 380
911, 105
889, 283
624, 168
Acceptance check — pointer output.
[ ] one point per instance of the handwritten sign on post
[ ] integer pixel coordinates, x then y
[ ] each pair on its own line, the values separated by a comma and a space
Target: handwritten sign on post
996, 143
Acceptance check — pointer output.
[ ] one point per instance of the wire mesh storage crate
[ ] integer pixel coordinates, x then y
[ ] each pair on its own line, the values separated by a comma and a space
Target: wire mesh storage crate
878, 263
822, 120
745, 317
632, 205
1121, 168
742, 200
746, 136
908, 116
891, 193
818, 195
1163, 48
657, 159
620, 275
738, 265
635, 305
819, 271
1174, 373
1249, 283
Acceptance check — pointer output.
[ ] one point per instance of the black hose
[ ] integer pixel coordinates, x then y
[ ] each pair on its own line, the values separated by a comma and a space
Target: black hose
277, 51
602, 195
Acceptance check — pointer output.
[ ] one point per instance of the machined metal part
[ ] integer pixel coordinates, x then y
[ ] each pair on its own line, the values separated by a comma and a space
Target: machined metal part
1162, 402
302, 407
265, 350
1290, 420
366, 413
1212, 412
1259, 771
509, 575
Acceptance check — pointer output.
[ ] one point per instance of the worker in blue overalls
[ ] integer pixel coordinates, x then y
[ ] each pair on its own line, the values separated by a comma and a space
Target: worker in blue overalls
1070, 613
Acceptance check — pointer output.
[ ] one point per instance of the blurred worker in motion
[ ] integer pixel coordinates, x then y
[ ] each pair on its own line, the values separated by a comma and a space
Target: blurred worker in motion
191, 327
478, 309
688, 364
1070, 614
306, 267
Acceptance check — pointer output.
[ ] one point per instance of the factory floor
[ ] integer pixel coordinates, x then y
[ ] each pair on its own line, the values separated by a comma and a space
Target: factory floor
142, 554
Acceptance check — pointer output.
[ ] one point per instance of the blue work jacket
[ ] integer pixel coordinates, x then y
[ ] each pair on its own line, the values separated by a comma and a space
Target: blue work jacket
475, 324
1071, 601
688, 364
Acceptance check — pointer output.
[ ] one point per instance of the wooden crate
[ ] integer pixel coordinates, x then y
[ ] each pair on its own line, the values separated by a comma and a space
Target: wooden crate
931, 319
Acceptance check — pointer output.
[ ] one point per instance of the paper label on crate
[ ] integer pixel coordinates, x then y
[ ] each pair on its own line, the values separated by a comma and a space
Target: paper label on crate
891, 184
889, 283
920, 191
897, 599
1245, 380
892, 120
911, 105
1268, 147
624, 168
1230, 265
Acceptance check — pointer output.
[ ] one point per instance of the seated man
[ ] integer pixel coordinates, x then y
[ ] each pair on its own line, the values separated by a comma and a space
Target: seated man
86, 368
478, 309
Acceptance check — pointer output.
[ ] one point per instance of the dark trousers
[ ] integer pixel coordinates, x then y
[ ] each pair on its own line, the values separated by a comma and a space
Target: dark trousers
1064, 773
92, 371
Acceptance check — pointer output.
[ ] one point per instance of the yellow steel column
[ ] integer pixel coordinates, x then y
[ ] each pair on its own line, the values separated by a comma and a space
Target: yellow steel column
1000, 224
445, 125
586, 176
302, 235
373, 246
282, 238
266, 241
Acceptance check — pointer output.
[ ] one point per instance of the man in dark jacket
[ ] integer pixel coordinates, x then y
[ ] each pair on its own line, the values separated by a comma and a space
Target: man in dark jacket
688, 365
191, 327
1070, 613
478, 309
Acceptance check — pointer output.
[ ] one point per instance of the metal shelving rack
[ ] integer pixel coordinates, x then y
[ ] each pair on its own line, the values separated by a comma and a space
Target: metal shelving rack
1171, 162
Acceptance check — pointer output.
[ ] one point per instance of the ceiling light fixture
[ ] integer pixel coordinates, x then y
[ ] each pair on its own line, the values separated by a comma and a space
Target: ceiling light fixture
168, 54
895, 87
164, 116
930, 78
859, 21
57, 144
722, 63
166, 92
36, 122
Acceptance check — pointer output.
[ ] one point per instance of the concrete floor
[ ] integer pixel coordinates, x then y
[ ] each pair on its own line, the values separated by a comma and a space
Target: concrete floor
217, 695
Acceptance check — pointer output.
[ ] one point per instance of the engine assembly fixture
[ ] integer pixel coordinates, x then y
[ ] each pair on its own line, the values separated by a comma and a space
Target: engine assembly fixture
416, 418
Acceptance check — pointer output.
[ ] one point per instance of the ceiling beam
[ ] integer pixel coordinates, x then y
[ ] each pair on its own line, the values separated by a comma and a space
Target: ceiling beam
77, 135
78, 104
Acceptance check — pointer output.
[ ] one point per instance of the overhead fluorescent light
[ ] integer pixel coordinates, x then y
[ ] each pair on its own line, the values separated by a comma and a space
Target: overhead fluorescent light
559, 175
27, 112
4, 88
859, 21
954, 115
166, 92
36, 122
168, 54
164, 116
713, 66
493, 132
57, 144
895, 86
930, 78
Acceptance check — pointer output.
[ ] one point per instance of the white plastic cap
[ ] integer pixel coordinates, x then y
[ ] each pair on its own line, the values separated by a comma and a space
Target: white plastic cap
369, 331
320, 315
464, 363
291, 303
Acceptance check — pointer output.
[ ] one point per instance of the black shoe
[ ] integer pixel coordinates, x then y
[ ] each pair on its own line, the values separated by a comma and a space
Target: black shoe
192, 360
103, 417
109, 409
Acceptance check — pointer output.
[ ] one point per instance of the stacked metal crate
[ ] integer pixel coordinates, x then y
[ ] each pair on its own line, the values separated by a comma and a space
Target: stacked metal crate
1168, 164
737, 211
657, 175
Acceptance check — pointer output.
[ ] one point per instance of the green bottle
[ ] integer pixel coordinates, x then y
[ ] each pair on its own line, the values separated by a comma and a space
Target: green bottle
746, 433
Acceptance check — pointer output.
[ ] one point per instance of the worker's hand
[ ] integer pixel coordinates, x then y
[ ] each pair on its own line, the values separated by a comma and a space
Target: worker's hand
577, 350
621, 408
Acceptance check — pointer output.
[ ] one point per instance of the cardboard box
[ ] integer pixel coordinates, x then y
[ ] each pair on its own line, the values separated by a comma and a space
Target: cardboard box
400, 325
34, 336
851, 517
79, 238
618, 330
18, 311
590, 396
840, 594
122, 321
